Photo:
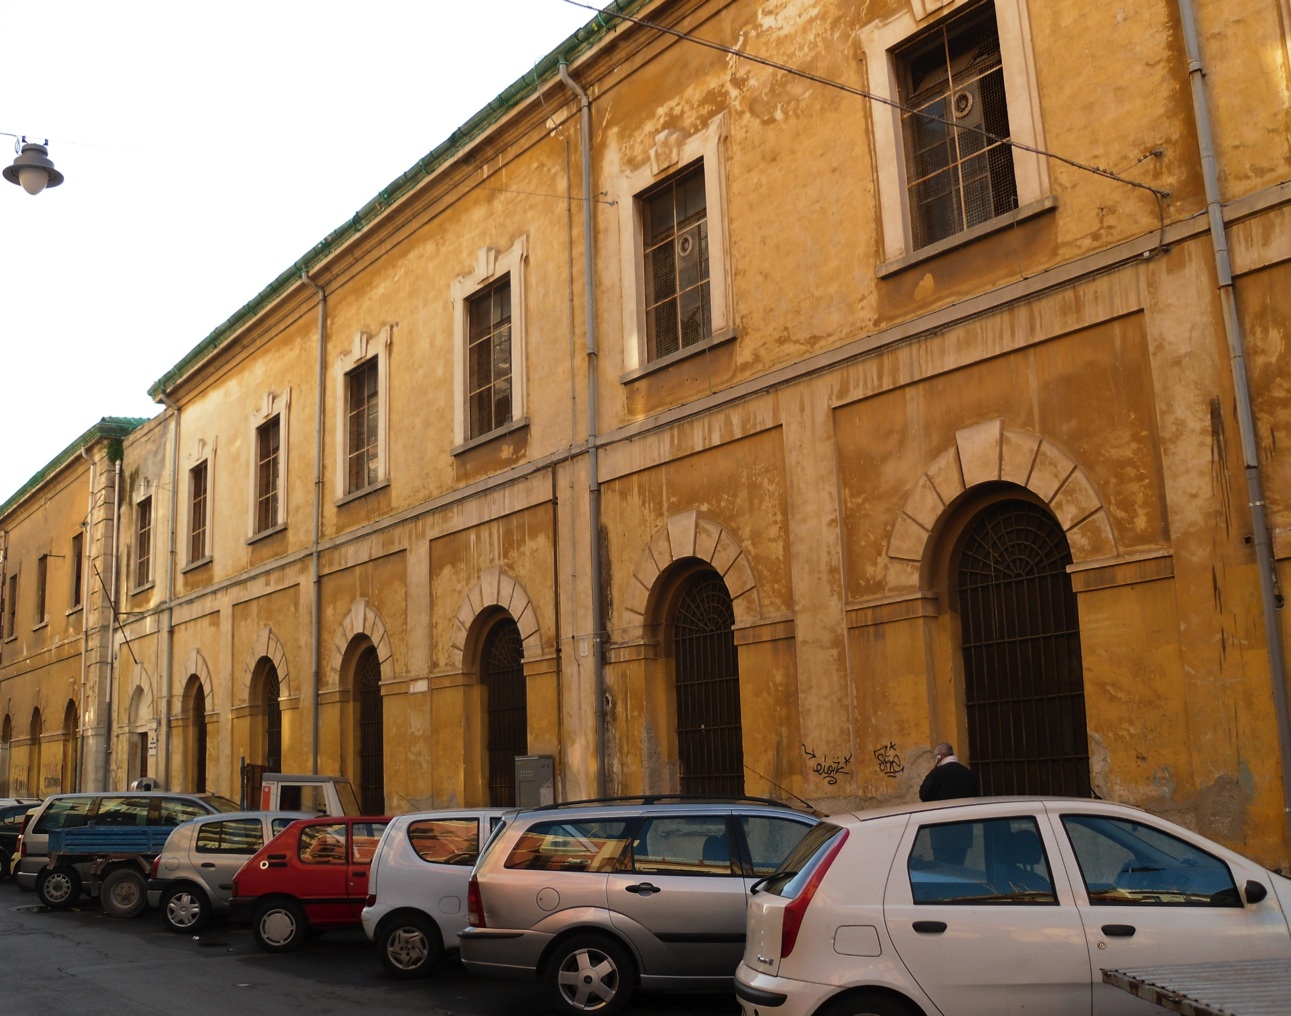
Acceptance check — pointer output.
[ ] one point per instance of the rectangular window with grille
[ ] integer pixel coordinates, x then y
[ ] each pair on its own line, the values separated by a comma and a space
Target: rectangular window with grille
268, 440
77, 561
955, 126
197, 504
488, 358
11, 607
363, 416
674, 230
42, 576
143, 542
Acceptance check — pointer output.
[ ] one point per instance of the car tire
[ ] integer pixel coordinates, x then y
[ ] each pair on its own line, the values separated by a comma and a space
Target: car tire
279, 926
58, 888
590, 974
869, 1004
185, 909
124, 893
410, 945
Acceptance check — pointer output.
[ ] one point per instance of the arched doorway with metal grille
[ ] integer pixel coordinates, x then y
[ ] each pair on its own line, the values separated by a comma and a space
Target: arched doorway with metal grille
1024, 689
506, 707
70, 755
710, 738
195, 708
271, 717
370, 718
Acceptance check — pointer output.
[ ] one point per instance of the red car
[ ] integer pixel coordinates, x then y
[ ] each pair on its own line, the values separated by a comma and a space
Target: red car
311, 876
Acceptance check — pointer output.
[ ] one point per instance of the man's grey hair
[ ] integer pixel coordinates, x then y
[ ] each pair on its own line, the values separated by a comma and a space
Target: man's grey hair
943, 749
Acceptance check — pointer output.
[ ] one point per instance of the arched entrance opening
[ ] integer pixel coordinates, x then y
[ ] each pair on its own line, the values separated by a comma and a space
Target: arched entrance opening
195, 711
1024, 691
506, 707
266, 694
35, 783
370, 720
69, 779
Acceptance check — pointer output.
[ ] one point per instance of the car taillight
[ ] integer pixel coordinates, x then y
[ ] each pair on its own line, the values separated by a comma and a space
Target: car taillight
156, 862
474, 905
796, 909
370, 901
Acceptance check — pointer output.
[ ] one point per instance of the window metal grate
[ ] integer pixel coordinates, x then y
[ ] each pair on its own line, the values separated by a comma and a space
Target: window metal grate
489, 358
502, 672
272, 720
957, 174
143, 542
1024, 684
710, 740
674, 226
364, 415
197, 512
198, 723
367, 681
268, 439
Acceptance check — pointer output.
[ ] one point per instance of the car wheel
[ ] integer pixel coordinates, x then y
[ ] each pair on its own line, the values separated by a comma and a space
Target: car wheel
185, 909
124, 893
279, 926
590, 974
58, 888
869, 1004
410, 945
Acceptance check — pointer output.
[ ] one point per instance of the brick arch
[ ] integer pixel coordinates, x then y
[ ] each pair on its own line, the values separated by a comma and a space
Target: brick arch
361, 619
195, 666
690, 535
987, 453
265, 643
141, 687
496, 588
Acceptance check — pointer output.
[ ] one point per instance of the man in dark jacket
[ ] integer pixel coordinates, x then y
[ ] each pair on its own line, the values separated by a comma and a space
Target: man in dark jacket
949, 778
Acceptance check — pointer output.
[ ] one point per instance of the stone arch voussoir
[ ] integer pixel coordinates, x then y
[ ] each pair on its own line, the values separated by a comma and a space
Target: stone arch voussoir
265, 643
496, 588
361, 619
986, 453
195, 666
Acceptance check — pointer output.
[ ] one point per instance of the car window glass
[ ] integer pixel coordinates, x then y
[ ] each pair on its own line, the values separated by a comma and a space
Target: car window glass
989, 862
363, 840
323, 844
770, 838
796, 870
279, 824
682, 845
233, 836
589, 845
445, 840
67, 813
1126, 862
174, 811
122, 811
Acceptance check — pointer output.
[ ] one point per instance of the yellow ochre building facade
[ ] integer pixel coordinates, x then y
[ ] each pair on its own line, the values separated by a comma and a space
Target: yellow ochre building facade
755, 394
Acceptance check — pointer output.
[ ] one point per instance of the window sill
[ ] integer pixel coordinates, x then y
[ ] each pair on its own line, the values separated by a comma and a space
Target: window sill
996, 225
74, 610
11, 638
717, 339
359, 494
41, 624
493, 435
266, 533
201, 562
143, 588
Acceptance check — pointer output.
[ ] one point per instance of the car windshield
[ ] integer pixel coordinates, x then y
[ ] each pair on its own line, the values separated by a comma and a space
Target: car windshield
796, 868
222, 804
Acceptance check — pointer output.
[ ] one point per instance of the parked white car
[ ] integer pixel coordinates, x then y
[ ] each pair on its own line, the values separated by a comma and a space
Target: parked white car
991, 906
416, 904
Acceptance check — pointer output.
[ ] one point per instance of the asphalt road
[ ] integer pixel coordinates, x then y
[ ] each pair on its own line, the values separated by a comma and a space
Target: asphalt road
83, 963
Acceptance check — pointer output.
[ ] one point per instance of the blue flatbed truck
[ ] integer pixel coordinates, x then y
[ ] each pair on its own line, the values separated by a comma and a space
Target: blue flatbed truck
110, 862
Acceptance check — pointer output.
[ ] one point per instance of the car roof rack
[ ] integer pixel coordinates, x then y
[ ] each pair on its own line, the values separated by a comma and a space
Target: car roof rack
662, 799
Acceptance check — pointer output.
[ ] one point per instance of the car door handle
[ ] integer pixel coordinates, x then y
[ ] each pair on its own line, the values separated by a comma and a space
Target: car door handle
1119, 930
207, 864
360, 874
643, 889
929, 927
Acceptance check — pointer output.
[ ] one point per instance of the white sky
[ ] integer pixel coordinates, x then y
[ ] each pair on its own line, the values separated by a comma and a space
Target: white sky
206, 147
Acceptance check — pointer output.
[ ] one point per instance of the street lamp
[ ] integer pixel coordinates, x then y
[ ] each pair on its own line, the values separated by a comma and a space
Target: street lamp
32, 169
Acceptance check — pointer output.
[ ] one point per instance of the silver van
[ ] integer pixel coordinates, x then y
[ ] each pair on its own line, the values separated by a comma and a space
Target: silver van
129, 808
600, 898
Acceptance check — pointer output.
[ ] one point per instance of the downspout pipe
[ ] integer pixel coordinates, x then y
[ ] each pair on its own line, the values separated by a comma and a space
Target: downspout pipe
112, 637
1270, 597
87, 553
316, 605
593, 477
168, 642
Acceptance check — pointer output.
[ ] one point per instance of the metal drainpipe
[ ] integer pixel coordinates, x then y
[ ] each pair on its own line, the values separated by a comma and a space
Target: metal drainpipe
86, 548
112, 649
1271, 599
593, 481
168, 643
317, 602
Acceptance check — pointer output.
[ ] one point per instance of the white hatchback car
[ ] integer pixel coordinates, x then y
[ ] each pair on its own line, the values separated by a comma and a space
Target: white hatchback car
416, 903
991, 906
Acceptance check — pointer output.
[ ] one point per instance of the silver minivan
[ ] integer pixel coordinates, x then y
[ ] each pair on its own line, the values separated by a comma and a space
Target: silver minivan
130, 808
192, 877
600, 898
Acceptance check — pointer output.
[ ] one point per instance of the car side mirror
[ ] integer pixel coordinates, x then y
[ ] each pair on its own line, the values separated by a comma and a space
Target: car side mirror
1255, 891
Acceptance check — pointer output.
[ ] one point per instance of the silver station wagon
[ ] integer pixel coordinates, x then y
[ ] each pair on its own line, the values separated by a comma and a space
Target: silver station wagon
600, 898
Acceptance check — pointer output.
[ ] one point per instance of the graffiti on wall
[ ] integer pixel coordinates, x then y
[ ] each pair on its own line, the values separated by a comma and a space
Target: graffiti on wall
888, 759
827, 767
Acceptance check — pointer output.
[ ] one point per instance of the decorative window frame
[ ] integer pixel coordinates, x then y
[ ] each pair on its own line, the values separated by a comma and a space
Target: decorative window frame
274, 404
151, 578
366, 346
490, 266
674, 151
201, 458
1031, 171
